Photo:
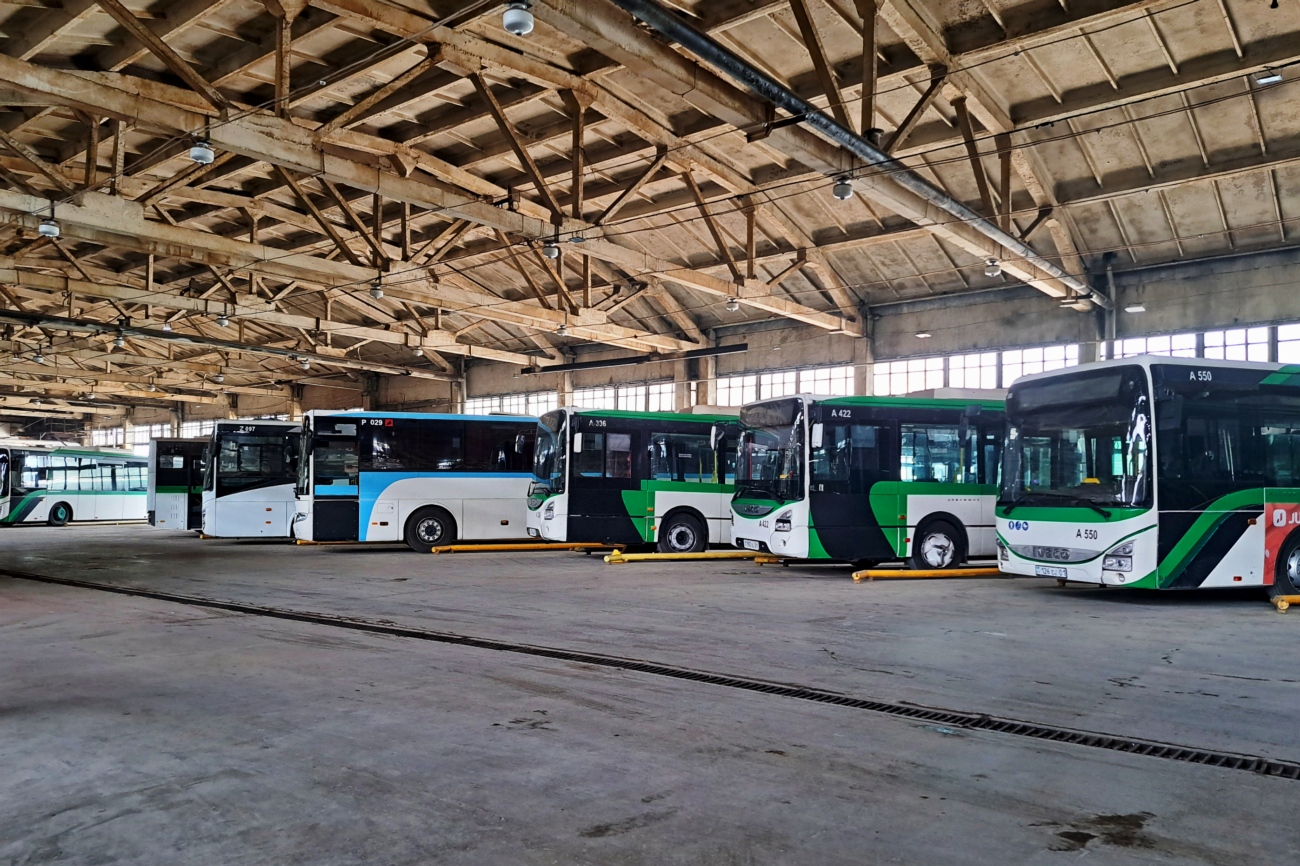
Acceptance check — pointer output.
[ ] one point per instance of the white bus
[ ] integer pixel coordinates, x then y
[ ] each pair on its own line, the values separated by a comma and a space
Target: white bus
175, 497
425, 479
248, 482
57, 484
1151, 472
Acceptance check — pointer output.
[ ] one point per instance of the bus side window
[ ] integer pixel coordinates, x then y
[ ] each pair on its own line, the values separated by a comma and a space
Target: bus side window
591, 459
931, 454
618, 455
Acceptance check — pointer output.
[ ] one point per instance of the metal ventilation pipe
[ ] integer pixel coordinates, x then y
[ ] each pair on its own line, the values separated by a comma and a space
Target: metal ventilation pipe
704, 47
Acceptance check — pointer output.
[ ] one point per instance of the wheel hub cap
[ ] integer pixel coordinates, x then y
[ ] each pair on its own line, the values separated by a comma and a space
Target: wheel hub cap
429, 531
681, 538
937, 550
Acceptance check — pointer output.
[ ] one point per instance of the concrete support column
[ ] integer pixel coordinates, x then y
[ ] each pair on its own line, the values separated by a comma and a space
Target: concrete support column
682, 386
564, 389
295, 401
126, 428
174, 420
864, 359
707, 392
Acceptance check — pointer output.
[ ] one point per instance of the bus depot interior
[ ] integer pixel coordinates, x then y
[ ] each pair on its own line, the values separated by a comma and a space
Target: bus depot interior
649, 432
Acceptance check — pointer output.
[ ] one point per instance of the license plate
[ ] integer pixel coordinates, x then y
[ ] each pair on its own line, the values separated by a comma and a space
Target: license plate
1049, 571
750, 545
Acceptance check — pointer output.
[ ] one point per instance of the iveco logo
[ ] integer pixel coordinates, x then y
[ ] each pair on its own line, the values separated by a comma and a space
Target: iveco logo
1018, 525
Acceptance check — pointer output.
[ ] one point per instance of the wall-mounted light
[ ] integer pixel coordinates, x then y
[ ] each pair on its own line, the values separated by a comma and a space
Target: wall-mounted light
202, 153
518, 18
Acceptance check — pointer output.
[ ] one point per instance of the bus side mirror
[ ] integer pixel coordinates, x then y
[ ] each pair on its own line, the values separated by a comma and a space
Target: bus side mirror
577, 443
519, 443
714, 435
818, 433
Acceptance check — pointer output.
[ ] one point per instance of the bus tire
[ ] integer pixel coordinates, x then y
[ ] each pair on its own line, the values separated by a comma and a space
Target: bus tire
682, 532
1286, 578
60, 514
428, 528
937, 545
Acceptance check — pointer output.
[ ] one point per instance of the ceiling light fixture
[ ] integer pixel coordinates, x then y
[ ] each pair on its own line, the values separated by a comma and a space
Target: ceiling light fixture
992, 267
38, 357
119, 341
518, 18
377, 289
223, 321
551, 250
419, 353
1268, 76
306, 363
151, 387
90, 395
167, 327
733, 304
219, 378
48, 228
924, 335
202, 153
1135, 308
843, 189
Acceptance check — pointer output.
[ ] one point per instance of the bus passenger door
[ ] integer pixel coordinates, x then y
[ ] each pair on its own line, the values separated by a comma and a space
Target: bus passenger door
851, 470
4, 483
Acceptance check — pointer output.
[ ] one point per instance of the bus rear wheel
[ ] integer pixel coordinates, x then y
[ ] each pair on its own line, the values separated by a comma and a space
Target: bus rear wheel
60, 514
682, 533
429, 528
1286, 580
936, 545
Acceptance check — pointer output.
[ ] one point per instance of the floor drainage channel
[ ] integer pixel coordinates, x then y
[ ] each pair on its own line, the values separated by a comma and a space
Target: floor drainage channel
932, 715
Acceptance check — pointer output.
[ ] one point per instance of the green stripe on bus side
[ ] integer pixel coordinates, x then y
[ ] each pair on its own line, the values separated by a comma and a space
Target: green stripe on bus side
1286, 376
1200, 532
195, 489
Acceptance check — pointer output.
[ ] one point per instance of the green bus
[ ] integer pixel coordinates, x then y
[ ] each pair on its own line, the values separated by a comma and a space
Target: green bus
616, 477
1154, 472
869, 479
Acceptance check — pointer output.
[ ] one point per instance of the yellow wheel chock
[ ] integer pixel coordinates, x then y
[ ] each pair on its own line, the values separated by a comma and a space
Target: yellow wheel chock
871, 574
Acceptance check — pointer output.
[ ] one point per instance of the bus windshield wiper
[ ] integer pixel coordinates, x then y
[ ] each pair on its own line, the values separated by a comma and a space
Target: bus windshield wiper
1072, 497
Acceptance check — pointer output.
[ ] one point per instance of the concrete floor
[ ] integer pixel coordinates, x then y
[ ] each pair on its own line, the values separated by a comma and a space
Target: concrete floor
141, 731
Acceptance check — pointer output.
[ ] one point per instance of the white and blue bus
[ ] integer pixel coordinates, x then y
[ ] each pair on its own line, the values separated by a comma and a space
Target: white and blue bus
425, 479
248, 484
57, 484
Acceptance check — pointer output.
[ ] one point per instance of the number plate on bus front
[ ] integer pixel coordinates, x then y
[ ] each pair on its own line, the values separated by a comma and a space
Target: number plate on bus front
750, 545
1049, 571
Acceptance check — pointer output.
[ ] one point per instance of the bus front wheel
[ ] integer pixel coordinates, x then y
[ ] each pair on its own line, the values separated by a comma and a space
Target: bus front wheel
936, 545
429, 528
682, 533
1286, 581
60, 514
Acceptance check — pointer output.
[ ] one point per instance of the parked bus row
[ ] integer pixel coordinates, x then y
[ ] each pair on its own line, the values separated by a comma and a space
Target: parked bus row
1147, 472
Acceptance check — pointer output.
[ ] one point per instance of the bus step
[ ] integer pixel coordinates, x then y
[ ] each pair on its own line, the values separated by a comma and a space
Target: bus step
1282, 602
499, 548
871, 574
618, 557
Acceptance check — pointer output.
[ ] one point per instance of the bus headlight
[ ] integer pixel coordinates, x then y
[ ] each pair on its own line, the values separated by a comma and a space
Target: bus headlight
783, 522
1119, 558
549, 511
1004, 555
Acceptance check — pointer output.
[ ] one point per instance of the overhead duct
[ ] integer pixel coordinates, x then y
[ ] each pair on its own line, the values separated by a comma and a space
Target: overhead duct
704, 47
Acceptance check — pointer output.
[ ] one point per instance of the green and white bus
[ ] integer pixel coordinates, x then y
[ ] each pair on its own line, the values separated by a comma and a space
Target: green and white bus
615, 477
870, 479
57, 484
1161, 473
175, 497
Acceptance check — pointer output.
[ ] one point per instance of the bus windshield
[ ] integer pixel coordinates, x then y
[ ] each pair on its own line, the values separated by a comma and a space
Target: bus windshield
248, 461
549, 455
1079, 440
772, 451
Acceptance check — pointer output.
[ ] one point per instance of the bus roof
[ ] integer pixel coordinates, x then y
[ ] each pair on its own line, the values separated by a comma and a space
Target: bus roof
115, 453
985, 400
650, 416
260, 422
433, 416
1290, 372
